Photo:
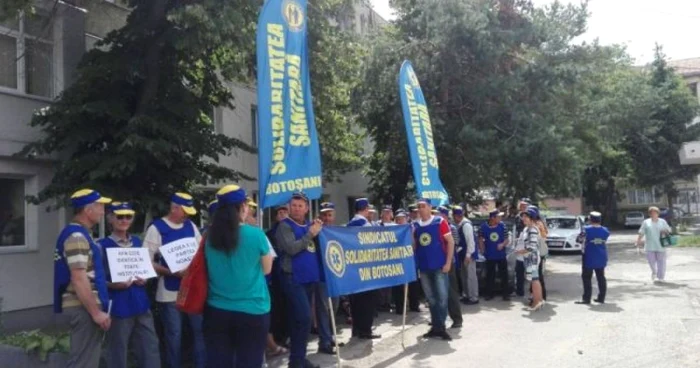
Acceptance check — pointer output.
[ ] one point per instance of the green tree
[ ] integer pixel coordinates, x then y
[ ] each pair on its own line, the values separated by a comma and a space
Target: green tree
653, 146
135, 124
506, 88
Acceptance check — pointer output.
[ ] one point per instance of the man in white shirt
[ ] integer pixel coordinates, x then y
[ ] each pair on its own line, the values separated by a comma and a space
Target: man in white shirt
176, 226
468, 256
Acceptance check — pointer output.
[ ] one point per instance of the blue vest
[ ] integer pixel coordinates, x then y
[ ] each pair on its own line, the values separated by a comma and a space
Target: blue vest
305, 264
463, 243
358, 222
596, 252
61, 271
129, 302
492, 237
430, 252
168, 235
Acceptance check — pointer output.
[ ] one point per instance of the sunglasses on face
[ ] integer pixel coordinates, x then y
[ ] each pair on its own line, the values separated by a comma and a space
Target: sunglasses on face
125, 217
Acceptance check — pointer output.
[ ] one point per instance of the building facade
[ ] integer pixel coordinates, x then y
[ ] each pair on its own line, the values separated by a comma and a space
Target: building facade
38, 59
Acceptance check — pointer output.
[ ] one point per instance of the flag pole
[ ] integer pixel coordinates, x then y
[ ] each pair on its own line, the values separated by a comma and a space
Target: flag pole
403, 324
335, 332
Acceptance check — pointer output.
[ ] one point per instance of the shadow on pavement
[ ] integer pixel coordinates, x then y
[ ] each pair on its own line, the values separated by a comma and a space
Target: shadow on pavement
543, 315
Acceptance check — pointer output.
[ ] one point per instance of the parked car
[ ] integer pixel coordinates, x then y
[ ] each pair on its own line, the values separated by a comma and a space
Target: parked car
634, 219
563, 231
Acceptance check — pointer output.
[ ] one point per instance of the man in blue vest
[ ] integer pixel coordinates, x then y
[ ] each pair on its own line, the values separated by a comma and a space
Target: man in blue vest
493, 240
301, 273
401, 218
80, 287
595, 258
454, 308
363, 305
176, 226
434, 254
132, 321
467, 256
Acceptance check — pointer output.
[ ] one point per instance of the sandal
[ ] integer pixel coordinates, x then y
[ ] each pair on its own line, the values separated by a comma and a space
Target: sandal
277, 351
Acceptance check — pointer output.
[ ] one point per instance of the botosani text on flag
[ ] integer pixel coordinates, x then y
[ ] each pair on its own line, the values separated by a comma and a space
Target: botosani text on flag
419, 131
357, 259
289, 155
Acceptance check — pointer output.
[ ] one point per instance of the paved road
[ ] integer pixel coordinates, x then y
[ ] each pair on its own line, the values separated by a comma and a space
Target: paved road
643, 324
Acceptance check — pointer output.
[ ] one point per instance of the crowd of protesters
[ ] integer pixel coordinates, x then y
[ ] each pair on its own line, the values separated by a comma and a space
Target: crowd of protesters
266, 291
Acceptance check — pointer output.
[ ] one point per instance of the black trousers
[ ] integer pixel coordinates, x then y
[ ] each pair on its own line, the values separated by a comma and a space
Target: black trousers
454, 308
586, 276
540, 272
519, 278
414, 289
362, 308
502, 266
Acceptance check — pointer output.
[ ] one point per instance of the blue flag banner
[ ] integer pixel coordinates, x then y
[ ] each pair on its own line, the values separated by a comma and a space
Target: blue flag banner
426, 172
289, 158
357, 259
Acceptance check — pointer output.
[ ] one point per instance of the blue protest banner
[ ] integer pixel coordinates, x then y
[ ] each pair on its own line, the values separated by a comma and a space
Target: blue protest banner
419, 131
289, 158
357, 259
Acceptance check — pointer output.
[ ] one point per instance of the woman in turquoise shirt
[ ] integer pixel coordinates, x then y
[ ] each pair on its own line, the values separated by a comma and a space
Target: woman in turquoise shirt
237, 315
651, 230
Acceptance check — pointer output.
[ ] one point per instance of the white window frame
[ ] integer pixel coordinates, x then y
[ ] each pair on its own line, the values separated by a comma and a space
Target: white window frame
20, 43
642, 193
31, 216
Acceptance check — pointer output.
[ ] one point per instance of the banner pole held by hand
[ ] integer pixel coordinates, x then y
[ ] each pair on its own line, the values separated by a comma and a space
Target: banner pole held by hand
335, 334
403, 325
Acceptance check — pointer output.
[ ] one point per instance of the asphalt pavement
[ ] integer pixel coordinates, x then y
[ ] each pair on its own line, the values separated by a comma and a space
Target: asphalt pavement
642, 324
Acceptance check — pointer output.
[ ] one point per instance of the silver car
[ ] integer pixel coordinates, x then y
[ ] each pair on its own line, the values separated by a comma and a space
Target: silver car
634, 219
563, 231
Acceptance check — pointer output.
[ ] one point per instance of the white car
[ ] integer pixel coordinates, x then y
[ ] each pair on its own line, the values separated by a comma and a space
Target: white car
634, 219
563, 231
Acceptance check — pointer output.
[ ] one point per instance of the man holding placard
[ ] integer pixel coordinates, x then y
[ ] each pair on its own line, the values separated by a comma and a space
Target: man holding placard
132, 319
172, 242
80, 289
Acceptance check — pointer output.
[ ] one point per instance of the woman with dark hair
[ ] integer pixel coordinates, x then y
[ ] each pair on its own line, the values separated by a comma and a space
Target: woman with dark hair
237, 315
531, 255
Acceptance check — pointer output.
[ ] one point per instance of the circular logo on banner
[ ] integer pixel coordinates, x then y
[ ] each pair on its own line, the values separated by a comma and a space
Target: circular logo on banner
335, 258
311, 247
425, 239
494, 237
293, 14
413, 79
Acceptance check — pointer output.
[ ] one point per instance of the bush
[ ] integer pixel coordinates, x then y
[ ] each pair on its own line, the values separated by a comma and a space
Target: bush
38, 342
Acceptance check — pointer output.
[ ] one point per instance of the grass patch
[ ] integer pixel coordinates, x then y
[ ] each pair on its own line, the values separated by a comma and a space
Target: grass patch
690, 241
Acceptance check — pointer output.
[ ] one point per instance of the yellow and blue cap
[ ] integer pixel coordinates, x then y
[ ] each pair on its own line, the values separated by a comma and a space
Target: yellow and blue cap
495, 213
122, 208
250, 202
400, 213
361, 204
387, 208
444, 210
327, 207
595, 216
424, 201
84, 197
457, 210
231, 194
300, 195
185, 201
212, 206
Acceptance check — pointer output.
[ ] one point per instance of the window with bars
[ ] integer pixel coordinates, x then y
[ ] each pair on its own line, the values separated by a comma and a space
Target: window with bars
26, 55
642, 196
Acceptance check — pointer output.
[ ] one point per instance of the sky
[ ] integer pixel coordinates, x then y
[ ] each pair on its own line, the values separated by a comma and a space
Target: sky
638, 24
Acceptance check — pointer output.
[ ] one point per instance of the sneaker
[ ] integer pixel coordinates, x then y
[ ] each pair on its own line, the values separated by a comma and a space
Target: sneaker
456, 325
444, 335
599, 301
653, 276
472, 302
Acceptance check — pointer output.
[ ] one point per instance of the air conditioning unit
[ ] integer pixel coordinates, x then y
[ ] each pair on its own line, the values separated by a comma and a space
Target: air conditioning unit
689, 153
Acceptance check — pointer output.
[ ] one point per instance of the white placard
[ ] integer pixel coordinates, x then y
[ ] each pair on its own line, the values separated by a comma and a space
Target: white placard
129, 263
178, 254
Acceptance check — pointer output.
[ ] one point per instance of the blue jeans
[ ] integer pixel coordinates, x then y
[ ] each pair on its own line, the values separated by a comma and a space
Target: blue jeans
323, 318
436, 286
235, 339
172, 326
299, 301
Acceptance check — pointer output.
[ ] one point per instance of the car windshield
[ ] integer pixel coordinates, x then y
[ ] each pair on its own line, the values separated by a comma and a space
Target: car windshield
635, 215
562, 223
